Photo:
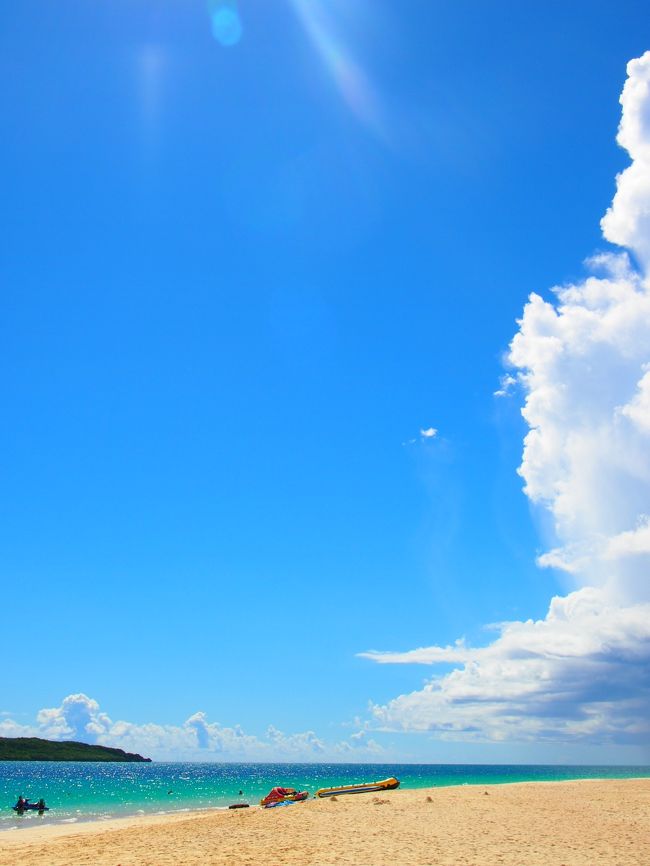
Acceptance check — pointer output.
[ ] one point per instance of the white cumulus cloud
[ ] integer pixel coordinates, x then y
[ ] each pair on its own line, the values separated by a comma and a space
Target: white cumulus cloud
627, 222
78, 718
580, 673
582, 361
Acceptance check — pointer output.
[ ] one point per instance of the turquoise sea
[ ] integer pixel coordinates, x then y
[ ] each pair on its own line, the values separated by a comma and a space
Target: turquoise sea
91, 791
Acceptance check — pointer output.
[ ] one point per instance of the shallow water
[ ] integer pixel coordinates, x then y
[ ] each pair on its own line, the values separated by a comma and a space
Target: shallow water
78, 791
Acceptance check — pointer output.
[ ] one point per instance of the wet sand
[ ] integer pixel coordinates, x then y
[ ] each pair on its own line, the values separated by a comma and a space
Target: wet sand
585, 823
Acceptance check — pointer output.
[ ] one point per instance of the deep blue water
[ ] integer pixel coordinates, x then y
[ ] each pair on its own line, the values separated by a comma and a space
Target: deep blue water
82, 791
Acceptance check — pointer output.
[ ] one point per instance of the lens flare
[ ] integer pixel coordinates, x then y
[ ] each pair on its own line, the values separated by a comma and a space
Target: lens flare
350, 79
226, 23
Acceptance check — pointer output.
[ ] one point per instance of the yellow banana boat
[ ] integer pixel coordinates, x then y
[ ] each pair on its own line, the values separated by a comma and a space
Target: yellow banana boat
363, 788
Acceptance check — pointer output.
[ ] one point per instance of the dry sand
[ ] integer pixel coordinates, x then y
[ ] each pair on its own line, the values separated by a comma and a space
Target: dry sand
586, 823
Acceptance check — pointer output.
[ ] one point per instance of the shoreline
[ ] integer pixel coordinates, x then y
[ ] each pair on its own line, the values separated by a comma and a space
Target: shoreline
73, 824
585, 822
189, 812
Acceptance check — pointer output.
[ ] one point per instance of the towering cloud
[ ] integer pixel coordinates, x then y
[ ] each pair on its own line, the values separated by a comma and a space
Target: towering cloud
627, 222
78, 718
583, 364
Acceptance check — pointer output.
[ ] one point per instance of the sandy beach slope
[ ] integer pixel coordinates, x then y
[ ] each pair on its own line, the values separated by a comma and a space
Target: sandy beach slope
586, 823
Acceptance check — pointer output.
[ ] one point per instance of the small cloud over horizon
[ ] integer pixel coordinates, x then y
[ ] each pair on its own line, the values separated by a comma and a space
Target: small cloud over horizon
426, 435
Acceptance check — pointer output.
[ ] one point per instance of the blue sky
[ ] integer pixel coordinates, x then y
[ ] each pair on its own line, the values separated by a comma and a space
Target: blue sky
238, 282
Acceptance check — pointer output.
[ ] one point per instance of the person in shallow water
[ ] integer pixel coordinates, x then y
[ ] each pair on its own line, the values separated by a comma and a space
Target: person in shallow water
23, 803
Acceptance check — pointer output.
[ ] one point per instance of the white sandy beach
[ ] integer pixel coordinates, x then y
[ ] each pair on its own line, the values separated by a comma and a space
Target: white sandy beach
584, 823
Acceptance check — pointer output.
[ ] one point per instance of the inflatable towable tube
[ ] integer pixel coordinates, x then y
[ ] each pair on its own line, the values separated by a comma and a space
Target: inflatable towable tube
363, 788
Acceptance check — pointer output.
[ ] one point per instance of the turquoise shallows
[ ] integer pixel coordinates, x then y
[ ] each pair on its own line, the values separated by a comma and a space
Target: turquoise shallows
86, 791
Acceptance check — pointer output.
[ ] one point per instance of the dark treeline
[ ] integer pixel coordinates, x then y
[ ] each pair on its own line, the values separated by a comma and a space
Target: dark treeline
36, 749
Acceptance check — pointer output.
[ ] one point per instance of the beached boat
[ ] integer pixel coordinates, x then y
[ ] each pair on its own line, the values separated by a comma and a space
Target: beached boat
363, 788
283, 795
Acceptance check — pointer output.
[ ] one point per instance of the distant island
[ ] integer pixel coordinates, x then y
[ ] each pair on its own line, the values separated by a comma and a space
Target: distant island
35, 749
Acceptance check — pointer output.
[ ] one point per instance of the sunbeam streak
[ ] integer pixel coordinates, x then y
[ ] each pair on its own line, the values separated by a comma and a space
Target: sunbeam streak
351, 80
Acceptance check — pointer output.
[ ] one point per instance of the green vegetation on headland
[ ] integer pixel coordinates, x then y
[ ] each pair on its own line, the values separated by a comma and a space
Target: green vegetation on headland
35, 749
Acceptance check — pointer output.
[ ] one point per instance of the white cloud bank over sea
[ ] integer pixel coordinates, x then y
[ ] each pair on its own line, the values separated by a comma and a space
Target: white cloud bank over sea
582, 362
80, 718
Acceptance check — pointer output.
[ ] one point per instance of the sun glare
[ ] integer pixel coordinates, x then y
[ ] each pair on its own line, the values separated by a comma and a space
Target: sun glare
226, 23
349, 77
